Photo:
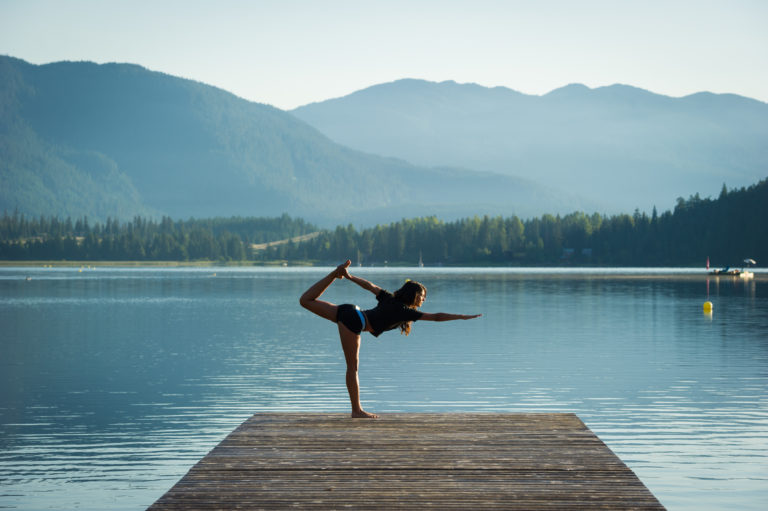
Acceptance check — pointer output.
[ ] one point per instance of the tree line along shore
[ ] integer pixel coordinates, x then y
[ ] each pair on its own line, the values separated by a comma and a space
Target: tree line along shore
726, 230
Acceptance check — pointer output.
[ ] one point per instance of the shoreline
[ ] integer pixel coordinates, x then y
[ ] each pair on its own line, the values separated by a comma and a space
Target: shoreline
139, 264
627, 272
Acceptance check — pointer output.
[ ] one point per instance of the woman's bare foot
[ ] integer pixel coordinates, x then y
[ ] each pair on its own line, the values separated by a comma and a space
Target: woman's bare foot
362, 414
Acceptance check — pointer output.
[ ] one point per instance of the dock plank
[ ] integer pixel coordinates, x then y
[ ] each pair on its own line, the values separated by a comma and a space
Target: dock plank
406, 461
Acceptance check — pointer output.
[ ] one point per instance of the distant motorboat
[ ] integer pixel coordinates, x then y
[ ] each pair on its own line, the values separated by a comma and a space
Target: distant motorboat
735, 272
746, 274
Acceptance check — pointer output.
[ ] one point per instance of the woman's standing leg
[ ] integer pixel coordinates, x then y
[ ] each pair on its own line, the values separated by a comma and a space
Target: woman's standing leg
350, 343
309, 300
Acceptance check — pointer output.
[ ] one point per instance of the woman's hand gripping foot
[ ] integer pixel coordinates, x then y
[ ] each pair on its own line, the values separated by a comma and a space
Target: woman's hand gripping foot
341, 270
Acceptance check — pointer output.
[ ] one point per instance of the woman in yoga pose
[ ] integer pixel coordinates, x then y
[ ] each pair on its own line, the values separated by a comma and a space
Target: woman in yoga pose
393, 311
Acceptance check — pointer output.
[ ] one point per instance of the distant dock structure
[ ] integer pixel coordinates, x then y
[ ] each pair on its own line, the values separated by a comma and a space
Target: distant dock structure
410, 461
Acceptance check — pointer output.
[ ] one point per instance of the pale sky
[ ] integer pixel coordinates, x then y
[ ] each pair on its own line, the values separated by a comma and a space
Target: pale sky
291, 52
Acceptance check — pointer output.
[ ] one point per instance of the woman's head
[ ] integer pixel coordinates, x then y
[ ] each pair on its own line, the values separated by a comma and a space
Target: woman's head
411, 294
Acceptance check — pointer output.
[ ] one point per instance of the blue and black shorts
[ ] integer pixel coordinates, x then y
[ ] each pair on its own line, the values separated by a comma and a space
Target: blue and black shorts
351, 317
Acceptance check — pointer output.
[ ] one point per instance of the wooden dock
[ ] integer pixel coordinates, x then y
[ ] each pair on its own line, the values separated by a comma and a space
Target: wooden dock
410, 461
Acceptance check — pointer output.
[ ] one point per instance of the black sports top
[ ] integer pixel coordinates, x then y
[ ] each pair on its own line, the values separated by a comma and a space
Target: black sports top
389, 313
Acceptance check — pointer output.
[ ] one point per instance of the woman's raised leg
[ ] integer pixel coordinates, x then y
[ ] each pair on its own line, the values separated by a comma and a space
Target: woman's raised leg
309, 300
350, 343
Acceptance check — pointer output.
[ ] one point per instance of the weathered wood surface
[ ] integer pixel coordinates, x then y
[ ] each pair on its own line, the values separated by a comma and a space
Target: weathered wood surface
409, 461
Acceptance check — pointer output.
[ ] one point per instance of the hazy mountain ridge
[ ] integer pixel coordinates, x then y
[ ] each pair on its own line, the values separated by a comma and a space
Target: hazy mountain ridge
74, 183
79, 138
619, 146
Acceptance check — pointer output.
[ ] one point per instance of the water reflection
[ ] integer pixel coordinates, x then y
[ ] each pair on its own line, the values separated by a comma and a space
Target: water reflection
117, 381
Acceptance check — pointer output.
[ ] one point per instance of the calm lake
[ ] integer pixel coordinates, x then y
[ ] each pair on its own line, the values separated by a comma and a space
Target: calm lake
116, 381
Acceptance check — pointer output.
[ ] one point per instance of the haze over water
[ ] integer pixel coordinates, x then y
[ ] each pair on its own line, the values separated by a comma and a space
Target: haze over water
116, 381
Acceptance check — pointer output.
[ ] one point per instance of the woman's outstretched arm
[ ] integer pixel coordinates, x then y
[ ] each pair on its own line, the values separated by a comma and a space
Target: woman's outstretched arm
444, 316
369, 286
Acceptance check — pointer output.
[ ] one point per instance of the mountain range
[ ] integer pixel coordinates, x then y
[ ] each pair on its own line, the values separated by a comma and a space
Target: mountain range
619, 146
77, 138
83, 139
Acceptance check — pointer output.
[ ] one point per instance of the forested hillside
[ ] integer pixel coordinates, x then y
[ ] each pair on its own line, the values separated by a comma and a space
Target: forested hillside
118, 140
726, 229
215, 239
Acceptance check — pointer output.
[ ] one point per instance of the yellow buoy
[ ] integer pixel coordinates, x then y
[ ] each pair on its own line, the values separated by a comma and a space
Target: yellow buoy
707, 306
